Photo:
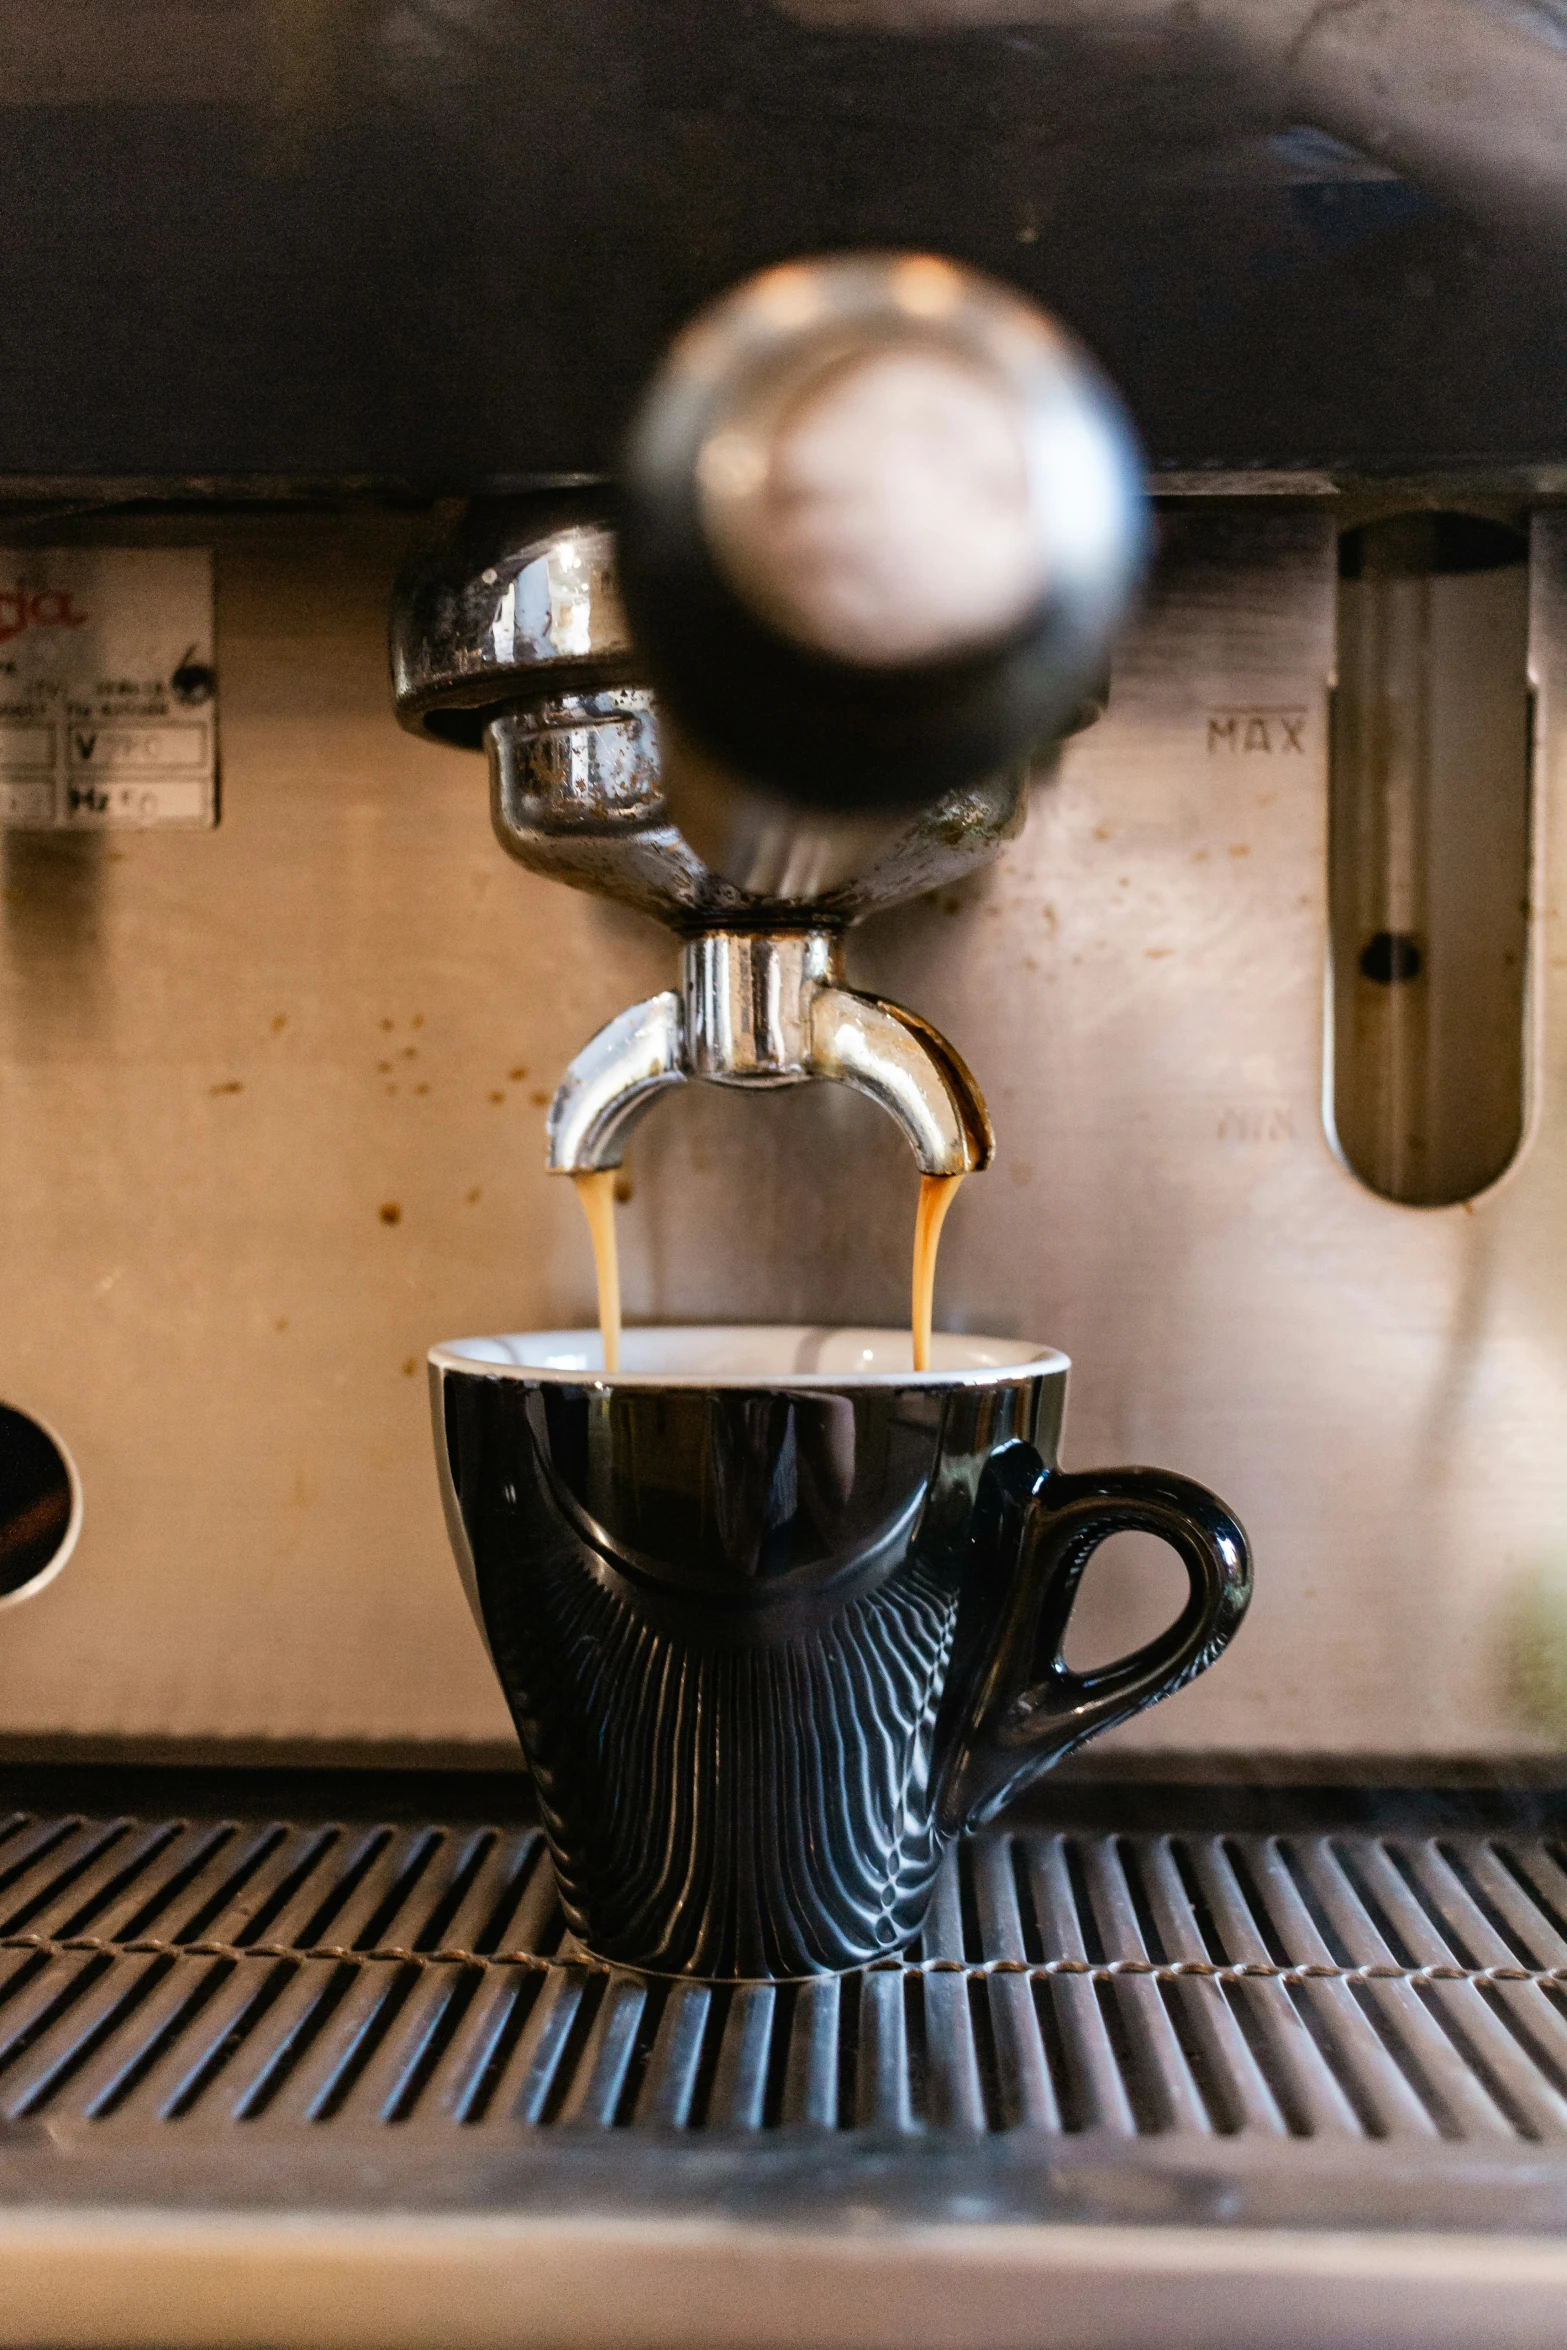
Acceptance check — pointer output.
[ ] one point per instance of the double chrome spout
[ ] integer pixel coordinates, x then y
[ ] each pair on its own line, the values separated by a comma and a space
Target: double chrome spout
766, 1009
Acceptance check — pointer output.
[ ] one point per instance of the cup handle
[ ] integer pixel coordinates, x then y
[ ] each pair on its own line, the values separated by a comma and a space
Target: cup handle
1023, 1708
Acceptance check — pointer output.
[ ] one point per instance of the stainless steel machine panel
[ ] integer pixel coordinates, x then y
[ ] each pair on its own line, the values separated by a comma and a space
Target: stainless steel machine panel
274, 1123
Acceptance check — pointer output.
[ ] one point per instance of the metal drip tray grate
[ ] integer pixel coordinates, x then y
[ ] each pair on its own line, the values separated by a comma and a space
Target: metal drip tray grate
1186, 1988
1171, 2066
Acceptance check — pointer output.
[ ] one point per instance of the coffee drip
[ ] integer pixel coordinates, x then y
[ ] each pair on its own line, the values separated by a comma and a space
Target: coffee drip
596, 1190
937, 1193
595, 1187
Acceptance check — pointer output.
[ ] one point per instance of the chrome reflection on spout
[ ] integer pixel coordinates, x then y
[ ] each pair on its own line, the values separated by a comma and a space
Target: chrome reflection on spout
908, 1066
764, 1009
749, 997
618, 1075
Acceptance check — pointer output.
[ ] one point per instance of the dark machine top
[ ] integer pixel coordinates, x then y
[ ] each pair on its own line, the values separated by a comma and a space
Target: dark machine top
439, 247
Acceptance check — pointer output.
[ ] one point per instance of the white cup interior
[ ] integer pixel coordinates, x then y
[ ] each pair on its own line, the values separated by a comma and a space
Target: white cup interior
752, 1354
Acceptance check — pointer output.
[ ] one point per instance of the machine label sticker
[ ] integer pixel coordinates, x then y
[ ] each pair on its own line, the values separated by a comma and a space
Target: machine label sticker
108, 696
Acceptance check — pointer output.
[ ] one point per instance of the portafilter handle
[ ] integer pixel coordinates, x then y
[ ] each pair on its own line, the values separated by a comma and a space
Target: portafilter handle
881, 521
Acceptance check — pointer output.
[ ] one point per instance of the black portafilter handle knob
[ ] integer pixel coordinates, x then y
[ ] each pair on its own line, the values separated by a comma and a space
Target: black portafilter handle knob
882, 519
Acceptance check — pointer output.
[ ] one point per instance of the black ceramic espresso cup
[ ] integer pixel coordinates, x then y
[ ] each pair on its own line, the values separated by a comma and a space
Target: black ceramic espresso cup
777, 1617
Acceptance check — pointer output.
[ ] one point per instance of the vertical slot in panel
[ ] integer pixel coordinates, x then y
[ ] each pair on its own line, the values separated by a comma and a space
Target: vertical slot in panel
1429, 856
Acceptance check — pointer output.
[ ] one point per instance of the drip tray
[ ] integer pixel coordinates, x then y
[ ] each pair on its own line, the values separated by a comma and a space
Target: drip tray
1162, 2018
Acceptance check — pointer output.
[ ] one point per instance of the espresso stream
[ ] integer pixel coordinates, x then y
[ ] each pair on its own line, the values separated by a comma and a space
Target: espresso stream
596, 1191
937, 1193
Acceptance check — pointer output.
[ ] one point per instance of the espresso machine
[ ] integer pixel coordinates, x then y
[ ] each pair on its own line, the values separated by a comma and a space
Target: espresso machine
1199, 910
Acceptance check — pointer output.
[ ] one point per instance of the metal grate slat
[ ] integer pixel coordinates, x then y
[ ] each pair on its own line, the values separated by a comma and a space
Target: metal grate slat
28, 1849
943, 1933
1532, 2104
192, 1907
594, 2092
528, 1914
144, 2035
1405, 1923
356, 2008
310, 1900
1450, 2090
187, 2069
1538, 2022
42, 1888
1519, 1895
1093, 2089
1293, 2080
393, 2072
140, 1895
881, 2099
810, 2092
62, 2051
463, 2084
273, 1868
1025, 2091
997, 1915
271, 2057
1161, 1987
669, 2084
565, 1997
1450, 1887
1251, 2086
1375, 2085
954, 2091
1175, 1921
1102, 1874
1055, 1905
1286, 1924
1349, 1924
374, 1909
40, 1998
472, 1889
1225, 1917
738, 2098
1158, 2062
1543, 1874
